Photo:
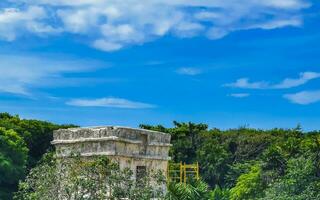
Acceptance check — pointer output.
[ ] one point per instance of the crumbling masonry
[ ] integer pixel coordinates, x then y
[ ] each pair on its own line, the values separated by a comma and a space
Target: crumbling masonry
137, 149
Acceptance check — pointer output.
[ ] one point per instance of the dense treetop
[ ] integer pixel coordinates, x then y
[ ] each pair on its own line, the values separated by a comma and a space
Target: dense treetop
22, 144
248, 163
236, 164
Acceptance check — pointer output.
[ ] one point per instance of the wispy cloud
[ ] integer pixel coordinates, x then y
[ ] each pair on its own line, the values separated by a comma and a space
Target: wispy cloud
14, 20
109, 102
21, 73
112, 25
304, 97
285, 84
239, 95
291, 82
295, 21
244, 83
192, 71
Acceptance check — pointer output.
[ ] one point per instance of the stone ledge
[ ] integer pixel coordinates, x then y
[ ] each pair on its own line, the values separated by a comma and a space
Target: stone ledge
110, 127
148, 157
90, 132
82, 140
161, 144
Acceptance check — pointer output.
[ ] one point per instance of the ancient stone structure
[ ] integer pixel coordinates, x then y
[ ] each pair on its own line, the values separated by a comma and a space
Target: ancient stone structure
137, 149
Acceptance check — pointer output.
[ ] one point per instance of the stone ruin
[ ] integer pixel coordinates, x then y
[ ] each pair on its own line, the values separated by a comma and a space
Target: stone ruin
137, 149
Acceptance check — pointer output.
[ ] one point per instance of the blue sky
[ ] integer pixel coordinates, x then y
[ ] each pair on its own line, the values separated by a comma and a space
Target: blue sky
225, 63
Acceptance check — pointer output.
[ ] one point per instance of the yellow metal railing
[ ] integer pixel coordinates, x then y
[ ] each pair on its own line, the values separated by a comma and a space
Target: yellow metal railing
182, 172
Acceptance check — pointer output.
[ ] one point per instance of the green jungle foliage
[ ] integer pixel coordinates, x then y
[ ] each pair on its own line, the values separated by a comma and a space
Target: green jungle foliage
248, 164
87, 179
97, 178
22, 144
235, 164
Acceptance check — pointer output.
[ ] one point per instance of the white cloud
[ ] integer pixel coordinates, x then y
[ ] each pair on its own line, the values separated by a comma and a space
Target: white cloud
217, 33
109, 102
285, 84
295, 21
188, 29
189, 71
79, 20
15, 20
304, 97
21, 73
106, 45
239, 95
244, 83
285, 4
112, 25
303, 79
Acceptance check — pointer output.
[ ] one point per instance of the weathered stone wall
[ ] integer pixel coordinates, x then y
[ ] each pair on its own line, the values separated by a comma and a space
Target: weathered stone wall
102, 132
127, 146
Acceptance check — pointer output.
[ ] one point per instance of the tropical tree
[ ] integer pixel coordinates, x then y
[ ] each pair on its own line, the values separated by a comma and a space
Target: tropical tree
249, 185
13, 160
299, 182
87, 179
195, 190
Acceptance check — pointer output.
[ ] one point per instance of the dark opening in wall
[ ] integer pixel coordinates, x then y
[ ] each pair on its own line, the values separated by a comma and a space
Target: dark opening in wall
141, 172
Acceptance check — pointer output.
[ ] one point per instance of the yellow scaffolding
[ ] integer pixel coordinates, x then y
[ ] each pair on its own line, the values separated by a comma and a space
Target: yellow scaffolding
182, 172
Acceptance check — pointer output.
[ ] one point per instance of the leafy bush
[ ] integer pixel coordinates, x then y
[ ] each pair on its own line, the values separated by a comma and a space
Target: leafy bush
13, 159
249, 185
195, 190
22, 144
87, 179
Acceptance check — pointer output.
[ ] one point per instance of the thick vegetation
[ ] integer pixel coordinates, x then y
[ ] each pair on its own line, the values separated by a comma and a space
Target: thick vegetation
79, 179
22, 144
248, 163
236, 164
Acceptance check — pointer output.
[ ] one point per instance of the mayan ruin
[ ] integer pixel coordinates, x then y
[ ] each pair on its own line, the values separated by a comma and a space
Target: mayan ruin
159, 100
137, 149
